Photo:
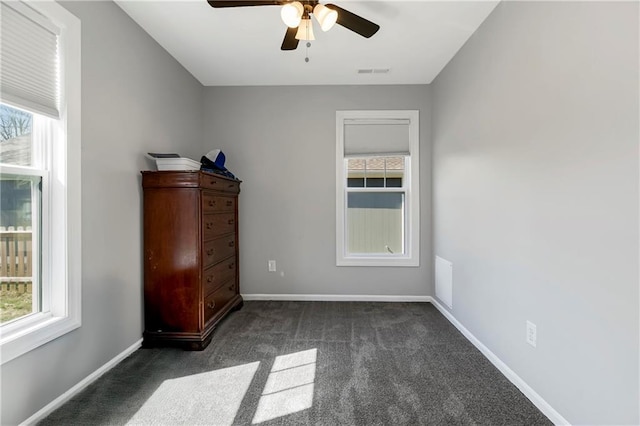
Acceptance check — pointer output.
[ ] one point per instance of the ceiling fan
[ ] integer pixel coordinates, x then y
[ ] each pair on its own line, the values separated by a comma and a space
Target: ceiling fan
297, 16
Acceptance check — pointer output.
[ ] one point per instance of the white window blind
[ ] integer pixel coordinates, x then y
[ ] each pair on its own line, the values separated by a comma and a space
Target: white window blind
376, 137
29, 70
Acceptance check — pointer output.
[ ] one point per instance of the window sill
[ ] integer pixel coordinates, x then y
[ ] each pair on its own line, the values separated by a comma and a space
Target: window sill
42, 329
378, 261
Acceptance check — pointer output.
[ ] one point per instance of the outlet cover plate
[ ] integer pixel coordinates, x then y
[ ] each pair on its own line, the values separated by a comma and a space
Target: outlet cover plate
532, 334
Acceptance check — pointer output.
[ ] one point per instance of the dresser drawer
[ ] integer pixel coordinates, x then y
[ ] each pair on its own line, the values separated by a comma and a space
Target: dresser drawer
211, 181
215, 276
218, 249
218, 224
212, 203
214, 302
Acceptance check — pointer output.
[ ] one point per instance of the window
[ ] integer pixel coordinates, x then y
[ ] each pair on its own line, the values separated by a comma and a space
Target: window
20, 214
39, 175
375, 205
377, 195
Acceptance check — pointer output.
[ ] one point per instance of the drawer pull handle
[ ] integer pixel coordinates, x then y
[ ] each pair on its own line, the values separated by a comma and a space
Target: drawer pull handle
211, 305
229, 203
232, 243
212, 203
209, 225
231, 185
231, 221
232, 287
213, 182
210, 279
210, 252
232, 265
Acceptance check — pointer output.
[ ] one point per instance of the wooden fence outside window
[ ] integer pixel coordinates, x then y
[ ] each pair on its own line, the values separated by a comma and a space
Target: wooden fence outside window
16, 271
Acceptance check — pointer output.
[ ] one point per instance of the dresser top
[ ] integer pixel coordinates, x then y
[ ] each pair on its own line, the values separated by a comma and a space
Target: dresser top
189, 179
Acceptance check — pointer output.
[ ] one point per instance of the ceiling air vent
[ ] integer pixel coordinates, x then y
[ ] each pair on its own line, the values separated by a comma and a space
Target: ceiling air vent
374, 70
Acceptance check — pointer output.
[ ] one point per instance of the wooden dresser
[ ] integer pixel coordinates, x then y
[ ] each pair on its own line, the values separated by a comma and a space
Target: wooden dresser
190, 256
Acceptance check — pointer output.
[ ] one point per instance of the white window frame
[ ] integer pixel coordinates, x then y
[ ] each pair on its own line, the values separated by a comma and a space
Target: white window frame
61, 206
411, 188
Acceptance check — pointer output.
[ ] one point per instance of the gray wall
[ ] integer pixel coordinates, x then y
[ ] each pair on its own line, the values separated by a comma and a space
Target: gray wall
281, 142
535, 153
135, 98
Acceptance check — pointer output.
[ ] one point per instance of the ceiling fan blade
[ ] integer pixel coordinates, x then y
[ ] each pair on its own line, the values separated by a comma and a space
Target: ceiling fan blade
354, 22
242, 3
290, 41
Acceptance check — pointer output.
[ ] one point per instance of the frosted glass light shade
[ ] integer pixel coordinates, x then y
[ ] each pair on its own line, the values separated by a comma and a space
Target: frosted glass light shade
291, 14
305, 30
325, 16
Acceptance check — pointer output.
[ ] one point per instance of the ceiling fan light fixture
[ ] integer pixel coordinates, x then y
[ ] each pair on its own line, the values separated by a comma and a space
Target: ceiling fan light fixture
326, 17
305, 30
291, 14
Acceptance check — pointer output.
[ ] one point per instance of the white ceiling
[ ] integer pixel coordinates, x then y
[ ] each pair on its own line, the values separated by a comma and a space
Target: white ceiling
241, 46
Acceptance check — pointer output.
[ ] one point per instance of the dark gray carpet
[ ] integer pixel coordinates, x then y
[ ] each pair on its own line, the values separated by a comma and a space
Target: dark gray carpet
320, 363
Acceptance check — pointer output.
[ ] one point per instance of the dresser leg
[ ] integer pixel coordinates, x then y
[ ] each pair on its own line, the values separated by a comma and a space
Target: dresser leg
199, 346
238, 306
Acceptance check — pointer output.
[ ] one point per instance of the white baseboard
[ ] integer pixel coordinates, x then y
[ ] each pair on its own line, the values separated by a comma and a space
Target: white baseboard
533, 396
59, 401
335, 298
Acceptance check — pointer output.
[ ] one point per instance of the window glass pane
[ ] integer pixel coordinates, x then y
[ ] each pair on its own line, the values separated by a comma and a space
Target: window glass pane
355, 164
375, 166
355, 182
375, 222
394, 171
16, 143
395, 164
375, 172
19, 212
394, 182
375, 182
355, 173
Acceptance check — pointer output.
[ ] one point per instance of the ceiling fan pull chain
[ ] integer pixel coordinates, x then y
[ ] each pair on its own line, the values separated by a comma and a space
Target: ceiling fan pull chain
306, 59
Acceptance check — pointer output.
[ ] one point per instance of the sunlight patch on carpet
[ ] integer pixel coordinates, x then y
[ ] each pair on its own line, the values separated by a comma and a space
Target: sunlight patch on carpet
289, 387
213, 397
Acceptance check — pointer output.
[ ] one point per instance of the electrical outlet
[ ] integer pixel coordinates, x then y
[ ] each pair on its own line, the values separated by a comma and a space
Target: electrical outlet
272, 266
532, 334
